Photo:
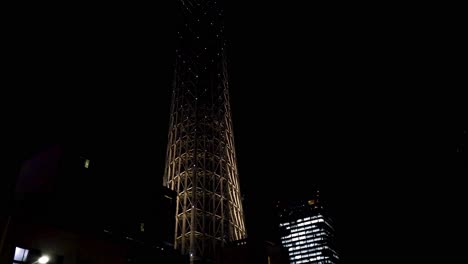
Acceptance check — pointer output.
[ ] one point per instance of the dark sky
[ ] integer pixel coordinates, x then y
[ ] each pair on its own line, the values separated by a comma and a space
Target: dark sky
338, 97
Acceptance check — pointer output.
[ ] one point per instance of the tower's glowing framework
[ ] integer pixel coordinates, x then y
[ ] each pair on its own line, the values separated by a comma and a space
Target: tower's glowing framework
201, 163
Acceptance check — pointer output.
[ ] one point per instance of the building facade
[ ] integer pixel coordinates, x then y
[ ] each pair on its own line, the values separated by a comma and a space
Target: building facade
201, 162
306, 231
64, 209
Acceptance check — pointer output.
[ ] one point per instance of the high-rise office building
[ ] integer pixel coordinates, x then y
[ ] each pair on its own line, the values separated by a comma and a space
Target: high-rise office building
306, 231
201, 162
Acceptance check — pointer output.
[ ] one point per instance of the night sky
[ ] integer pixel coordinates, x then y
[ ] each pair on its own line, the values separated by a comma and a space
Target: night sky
336, 97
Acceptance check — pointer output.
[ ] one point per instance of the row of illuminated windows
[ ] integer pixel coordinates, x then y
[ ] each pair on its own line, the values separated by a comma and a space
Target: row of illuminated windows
309, 248
304, 241
315, 230
318, 258
299, 241
310, 225
300, 229
302, 237
304, 224
308, 218
291, 228
300, 220
303, 255
325, 261
307, 251
307, 224
308, 261
312, 259
291, 247
302, 233
292, 224
295, 231
310, 222
312, 249
309, 244
308, 234
319, 234
309, 257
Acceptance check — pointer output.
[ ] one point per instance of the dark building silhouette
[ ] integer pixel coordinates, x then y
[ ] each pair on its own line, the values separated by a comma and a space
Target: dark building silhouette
201, 163
65, 208
461, 144
254, 251
307, 231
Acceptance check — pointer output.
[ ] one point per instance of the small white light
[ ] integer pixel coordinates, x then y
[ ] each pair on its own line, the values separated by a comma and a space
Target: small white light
43, 259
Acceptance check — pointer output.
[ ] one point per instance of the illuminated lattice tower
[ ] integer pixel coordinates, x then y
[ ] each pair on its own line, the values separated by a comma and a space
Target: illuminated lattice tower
201, 163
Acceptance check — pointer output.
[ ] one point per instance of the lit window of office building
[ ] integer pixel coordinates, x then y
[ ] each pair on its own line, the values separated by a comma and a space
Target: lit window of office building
306, 231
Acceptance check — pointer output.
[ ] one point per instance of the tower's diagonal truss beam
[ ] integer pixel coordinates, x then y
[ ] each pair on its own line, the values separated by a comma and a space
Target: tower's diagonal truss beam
201, 164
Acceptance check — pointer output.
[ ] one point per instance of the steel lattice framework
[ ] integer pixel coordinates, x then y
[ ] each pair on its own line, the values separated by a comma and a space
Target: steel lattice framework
201, 163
